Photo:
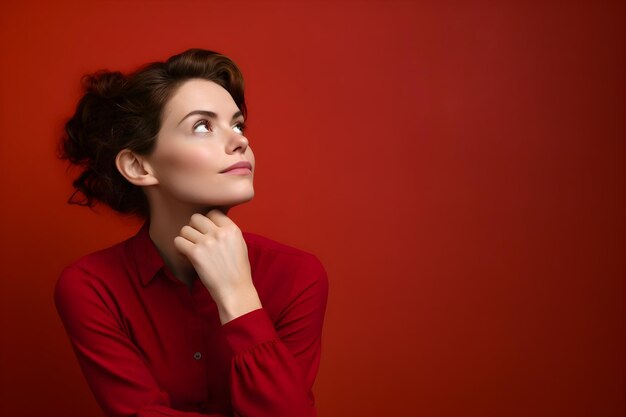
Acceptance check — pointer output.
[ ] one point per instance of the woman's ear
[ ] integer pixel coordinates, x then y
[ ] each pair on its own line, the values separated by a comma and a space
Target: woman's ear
135, 168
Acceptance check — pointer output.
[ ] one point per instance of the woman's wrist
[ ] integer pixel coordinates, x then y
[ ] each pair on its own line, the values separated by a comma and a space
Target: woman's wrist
237, 302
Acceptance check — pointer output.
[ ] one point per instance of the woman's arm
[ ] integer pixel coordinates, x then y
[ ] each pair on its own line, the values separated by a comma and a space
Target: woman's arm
111, 363
273, 369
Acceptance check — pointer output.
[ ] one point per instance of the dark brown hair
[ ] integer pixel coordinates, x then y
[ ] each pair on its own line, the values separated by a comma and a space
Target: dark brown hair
121, 111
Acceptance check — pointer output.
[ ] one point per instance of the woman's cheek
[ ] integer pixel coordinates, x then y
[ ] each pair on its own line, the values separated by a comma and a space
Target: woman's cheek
179, 170
192, 160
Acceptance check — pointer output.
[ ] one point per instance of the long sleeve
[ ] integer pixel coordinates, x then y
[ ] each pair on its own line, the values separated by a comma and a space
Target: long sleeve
111, 363
274, 365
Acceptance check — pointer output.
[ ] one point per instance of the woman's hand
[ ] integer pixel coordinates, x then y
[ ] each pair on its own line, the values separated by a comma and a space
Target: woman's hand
215, 247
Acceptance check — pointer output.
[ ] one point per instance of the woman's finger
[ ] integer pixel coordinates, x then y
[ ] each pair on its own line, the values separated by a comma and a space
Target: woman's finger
201, 223
191, 234
219, 218
183, 245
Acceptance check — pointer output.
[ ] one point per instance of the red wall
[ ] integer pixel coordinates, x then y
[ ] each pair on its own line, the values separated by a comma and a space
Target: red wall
457, 166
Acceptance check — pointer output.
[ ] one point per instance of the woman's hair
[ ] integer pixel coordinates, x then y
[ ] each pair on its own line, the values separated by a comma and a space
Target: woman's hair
121, 111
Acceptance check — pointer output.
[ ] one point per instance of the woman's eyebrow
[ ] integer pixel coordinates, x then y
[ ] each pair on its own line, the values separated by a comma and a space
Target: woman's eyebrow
209, 114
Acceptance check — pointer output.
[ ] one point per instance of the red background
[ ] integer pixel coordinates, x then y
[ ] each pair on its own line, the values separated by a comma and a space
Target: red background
457, 166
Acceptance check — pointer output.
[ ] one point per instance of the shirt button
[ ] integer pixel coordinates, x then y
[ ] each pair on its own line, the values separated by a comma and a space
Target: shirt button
197, 356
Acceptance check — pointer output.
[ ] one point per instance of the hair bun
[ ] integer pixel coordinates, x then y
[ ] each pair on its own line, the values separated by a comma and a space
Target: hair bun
88, 131
107, 84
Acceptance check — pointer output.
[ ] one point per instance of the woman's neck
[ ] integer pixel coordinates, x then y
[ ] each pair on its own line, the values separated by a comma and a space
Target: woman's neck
166, 220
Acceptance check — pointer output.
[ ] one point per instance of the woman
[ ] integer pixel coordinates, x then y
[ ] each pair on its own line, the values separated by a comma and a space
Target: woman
191, 316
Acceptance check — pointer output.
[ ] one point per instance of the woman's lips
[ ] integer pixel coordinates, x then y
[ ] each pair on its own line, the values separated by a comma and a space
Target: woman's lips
238, 171
241, 167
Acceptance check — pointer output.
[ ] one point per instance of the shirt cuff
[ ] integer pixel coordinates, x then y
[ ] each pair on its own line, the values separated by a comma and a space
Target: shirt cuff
249, 330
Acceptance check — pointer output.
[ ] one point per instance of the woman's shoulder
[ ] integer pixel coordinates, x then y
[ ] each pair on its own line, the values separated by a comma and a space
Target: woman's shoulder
106, 257
269, 253
94, 267
283, 273
267, 246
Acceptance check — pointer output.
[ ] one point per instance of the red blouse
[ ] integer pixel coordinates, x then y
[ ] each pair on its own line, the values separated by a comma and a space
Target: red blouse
150, 346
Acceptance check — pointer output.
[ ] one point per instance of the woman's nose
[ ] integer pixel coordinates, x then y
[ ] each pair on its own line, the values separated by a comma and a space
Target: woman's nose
237, 142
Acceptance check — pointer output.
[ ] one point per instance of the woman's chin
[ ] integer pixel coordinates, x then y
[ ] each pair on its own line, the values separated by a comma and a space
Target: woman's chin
226, 205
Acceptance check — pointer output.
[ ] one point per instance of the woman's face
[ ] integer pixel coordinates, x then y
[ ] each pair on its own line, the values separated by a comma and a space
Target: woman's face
201, 136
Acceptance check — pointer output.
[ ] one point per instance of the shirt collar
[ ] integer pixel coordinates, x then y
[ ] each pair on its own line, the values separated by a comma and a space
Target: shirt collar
144, 255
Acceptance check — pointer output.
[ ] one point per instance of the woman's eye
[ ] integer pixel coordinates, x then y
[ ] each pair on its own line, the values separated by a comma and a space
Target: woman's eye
239, 128
202, 126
